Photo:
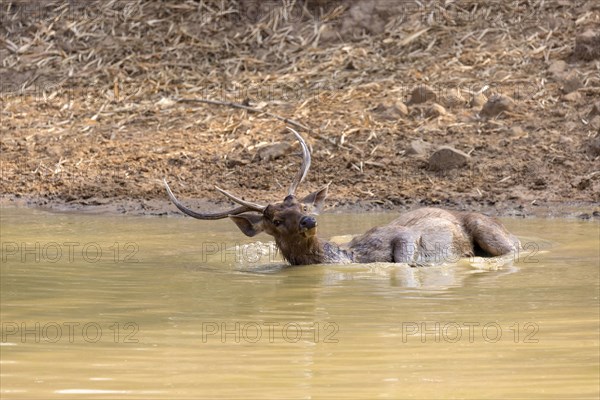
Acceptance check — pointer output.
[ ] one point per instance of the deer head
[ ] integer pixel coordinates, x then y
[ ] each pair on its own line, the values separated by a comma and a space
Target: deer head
291, 222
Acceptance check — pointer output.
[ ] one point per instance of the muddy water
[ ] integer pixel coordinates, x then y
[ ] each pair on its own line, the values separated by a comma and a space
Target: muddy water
151, 308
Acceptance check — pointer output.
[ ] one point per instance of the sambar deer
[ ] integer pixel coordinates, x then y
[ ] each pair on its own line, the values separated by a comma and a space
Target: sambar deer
420, 237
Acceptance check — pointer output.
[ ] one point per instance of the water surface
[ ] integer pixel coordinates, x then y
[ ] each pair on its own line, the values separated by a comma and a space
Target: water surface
162, 308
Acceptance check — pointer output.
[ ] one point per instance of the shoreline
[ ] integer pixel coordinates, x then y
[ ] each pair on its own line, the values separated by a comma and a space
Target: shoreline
160, 208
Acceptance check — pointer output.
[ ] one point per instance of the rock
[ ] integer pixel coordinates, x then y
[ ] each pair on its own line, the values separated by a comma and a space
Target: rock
232, 162
595, 122
453, 98
274, 151
402, 108
496, 105
595, 111
176, 161
362, 16
587, 46
418, 148
477, 100
242, 142
566, 141
571, 126
557, 68
446, 158
583, 183
392, 112
518, 133
435, 110
571, 83
422, 94
573, 97
539, 184
593, 147
165, 102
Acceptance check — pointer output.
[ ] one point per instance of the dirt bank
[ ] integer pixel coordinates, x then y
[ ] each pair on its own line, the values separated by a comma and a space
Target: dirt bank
89, 119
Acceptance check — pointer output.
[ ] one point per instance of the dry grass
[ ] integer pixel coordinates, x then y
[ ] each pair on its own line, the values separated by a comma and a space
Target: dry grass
90, 95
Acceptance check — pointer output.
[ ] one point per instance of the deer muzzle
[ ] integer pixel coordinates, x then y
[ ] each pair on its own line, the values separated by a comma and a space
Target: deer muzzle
308, 225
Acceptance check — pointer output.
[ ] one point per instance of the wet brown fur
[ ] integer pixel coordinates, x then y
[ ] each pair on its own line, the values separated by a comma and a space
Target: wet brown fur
420, 237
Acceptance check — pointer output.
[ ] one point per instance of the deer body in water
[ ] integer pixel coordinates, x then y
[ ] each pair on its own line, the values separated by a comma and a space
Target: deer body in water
419, 237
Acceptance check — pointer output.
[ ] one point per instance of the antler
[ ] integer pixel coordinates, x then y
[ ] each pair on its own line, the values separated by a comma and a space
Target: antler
303, 168
252, 206
246, 206
220, 215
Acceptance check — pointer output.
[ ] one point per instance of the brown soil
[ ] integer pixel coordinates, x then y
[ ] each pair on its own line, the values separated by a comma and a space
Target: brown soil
90, 117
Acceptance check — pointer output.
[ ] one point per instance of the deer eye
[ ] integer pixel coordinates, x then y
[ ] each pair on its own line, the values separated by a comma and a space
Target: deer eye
277, 222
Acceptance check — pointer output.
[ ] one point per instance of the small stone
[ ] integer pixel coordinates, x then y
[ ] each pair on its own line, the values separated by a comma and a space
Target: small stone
583, 184
165, 102
571, 83
587, 46
573, 97
242, 142
496, 105
571, 126
593, 147
595, 111
176, 161
477, 100
435, 110
446, 158
390, 113
453, 99
274, 151
402, 108
557, 68
350, 66
422, 94
539, 184
233, 162
565, 140
518, 132
418, 148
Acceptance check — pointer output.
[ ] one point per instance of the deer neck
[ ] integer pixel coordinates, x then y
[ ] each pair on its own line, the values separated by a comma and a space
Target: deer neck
302, 251
312, 251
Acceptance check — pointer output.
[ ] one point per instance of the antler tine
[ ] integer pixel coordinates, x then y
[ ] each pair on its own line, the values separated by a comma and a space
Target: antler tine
247, 204
206, 216
303, 168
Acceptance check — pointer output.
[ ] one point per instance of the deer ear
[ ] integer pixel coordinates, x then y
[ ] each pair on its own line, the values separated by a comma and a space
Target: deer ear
316, 199
249, 224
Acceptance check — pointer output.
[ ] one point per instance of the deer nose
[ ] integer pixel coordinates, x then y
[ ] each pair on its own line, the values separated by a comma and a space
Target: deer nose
307, 222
